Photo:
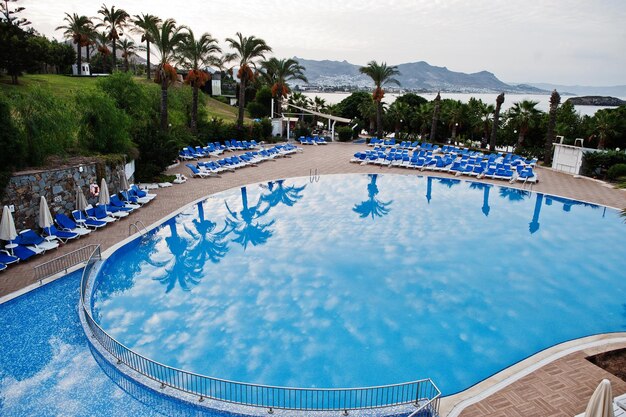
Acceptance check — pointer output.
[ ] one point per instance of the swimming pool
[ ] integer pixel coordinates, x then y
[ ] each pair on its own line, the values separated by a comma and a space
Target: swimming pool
361, 280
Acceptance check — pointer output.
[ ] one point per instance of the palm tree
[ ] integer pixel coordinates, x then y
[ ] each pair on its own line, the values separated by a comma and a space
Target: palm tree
372, 207
398, 114
76, 29
244, 225
604, 126
278, 72
320, 106
128, 49
524, 115
142, 22
367, 108
279, 193
496, 120
422, 116
166, 38
555, 100
382, 75
486, 113
101, 40
114, 20
454, 112
433, 126
247, 51
193, 54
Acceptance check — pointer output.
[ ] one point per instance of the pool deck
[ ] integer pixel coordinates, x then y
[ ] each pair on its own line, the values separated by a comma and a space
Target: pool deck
565, 384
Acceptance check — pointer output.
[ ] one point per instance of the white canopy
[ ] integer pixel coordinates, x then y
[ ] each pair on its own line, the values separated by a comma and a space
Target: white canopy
45, 218
81, 201
7, 225
601, 402
104, 197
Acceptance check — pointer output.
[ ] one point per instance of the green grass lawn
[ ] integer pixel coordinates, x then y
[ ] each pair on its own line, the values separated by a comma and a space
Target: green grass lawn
65, 86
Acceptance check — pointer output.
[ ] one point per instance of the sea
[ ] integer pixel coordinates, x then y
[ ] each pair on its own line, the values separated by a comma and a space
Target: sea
509, 99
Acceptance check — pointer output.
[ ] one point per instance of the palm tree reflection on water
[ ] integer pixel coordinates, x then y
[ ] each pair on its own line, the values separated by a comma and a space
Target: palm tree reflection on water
372, 206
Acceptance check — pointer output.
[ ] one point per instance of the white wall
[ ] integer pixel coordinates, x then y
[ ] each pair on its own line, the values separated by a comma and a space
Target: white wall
568, 158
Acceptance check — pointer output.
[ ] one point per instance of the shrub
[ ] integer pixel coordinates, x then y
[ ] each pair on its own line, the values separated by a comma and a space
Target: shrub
129, 95
597, 163
261, 130
157, 151
103, 127
48, 125
616, 171
344, 133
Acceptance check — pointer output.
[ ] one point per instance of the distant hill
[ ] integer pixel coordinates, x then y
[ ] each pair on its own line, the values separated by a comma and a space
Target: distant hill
419, 76
582, 90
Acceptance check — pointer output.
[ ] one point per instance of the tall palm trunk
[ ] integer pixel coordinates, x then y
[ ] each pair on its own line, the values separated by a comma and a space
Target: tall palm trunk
485, 138
521, 136
379, 118
555, 100
454, 127
148, 59
242, 97
164, 125
433, 126
79, 50
88, 52
194, 110
114, 60
496, 120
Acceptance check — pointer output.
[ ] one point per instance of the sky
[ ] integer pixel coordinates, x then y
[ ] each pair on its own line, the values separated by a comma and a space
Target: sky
569, 42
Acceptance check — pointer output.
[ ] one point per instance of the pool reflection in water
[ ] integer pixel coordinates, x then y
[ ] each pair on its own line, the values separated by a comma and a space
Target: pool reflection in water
362, 280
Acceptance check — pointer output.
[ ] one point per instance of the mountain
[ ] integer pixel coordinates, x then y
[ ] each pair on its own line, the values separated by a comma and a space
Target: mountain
582, 90
419, 76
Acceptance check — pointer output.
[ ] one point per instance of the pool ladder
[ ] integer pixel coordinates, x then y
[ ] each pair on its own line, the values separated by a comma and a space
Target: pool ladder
136, 225
314, 176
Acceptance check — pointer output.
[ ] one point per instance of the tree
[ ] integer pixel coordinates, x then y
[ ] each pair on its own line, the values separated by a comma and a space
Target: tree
496, 119
103, 49
114, 20
367, 109
397, 115
247, 51
524, 115
128, 49
77, 29
166, 38
277, 72
194, 53
8, 15
437, 108
142, 23
603, 126
454, 111
382, 75
555, 100
486, 112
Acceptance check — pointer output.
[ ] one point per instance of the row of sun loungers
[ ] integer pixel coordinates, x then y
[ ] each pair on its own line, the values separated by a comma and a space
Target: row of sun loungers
216, 149
29, 243
315, 140
508, 167
205, 169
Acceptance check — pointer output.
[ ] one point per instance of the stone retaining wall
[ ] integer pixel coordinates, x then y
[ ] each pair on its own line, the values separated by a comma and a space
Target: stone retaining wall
58, 186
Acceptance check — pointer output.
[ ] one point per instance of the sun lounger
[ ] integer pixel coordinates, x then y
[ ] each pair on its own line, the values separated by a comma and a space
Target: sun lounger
68, 225
24, 253
83, 220
117, 202
99, 213
141, 193
62, 235
32, 240
195, 172
6, 258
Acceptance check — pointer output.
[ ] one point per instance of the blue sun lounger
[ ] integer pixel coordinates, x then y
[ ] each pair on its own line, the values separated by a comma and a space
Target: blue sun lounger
83, 219
6, 258
62, 235
68, 225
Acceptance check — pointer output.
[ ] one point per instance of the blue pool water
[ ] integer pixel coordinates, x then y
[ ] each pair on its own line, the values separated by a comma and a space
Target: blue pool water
361, 280
48, 369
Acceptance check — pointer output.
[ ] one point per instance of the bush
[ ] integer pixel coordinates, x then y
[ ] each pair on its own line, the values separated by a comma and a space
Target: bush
344, 133
48, 125
616, 171
129, 95
597, 163
103, 127
157, 151
261, 130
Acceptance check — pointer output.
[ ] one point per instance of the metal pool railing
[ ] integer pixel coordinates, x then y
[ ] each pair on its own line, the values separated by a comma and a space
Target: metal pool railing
423, 393
64, 262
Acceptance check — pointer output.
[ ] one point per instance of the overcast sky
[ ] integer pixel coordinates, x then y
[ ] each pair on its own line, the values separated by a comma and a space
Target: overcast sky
556, 41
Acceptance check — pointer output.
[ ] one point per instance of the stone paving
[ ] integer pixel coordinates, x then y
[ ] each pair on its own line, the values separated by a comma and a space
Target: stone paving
329, 159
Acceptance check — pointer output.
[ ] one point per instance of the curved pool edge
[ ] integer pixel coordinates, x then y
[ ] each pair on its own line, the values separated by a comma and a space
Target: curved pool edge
222, 406
453, 405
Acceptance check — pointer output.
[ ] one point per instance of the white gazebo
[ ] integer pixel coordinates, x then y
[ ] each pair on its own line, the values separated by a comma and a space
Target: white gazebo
332, 120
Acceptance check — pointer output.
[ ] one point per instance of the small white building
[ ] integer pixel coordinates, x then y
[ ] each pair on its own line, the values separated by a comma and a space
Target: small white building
84, 69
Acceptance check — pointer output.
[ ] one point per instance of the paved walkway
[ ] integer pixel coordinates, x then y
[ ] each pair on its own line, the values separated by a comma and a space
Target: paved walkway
569, 380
